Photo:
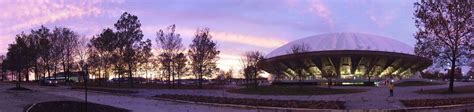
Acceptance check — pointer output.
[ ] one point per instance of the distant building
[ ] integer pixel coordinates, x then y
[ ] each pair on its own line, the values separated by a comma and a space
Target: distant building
73, 76
348, 56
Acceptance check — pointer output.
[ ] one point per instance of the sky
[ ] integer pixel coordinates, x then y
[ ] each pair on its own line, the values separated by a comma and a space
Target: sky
236, 25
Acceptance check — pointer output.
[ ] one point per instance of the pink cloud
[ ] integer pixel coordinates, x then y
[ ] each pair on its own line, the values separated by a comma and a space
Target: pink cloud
27, 14
381, 19
22, 15
265, 42
321, 10
316, 7
389, 14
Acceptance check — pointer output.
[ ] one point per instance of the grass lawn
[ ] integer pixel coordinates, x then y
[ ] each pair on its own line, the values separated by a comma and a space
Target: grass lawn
437, 102
457, 90
144, 86
294, 90
417, 83
110, 90
73, 106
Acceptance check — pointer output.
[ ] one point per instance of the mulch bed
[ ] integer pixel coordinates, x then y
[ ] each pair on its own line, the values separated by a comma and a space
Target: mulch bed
72, 106
257, 102
293, 90
417, 83
457, 90
19, 89
109, 90
437, 102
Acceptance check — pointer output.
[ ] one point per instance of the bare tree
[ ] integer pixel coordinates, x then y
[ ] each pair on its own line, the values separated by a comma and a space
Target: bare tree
180, 66
250, 62
170, 45
65, 43
444, 32
300, 49
203, 55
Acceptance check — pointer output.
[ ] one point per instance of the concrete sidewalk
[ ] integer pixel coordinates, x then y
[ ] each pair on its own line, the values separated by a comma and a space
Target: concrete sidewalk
139, 104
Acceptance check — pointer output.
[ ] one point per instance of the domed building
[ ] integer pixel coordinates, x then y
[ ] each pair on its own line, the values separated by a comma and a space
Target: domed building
343, 56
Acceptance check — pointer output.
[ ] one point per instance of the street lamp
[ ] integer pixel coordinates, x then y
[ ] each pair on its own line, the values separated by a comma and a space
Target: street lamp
85, 72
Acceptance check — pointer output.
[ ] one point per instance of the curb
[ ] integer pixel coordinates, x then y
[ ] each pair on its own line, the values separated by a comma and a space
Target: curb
433, 107
30, 107
249, 106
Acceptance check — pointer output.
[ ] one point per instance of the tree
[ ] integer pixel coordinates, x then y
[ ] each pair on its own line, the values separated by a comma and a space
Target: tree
228, 75
170, 45
101, 49
65, 42
203, 55
149, 65
251, 61
329, 72
131, 50
444, 32
3, 68
43, 49
180, 66
300, 49
19, 56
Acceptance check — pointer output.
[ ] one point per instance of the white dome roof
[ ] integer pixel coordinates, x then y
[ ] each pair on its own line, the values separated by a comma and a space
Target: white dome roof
346, 41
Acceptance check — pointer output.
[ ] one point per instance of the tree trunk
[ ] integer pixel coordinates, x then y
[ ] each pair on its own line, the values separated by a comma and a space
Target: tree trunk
451, 77
49, 70
19, 79
56, 75
179, 79
100, 78
255, 80
300, 80
369, 79
130, 75
169, 76
200, 81
66, 78
36, 71
27, 76
329, 82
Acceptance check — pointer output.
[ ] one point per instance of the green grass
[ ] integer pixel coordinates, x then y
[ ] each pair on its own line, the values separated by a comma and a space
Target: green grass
457, 90
294, 90
417, 83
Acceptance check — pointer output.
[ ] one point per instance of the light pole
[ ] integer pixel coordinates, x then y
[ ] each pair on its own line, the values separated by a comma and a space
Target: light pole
86, 77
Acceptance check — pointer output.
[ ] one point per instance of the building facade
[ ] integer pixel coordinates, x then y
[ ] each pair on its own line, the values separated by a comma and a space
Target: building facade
347, 56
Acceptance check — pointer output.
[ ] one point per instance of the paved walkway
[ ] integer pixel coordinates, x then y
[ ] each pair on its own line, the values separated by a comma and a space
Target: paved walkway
138, 103
15, 101
374, 98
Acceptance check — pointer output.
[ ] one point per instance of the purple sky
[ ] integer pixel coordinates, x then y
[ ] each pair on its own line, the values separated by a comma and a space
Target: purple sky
237, 25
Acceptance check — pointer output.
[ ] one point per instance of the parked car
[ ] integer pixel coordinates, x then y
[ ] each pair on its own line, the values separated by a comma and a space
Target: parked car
48, 82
